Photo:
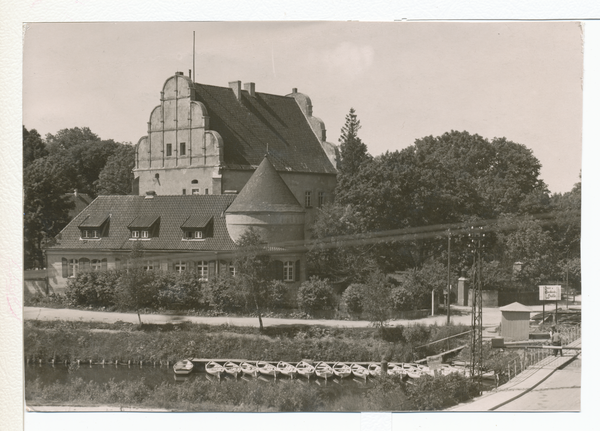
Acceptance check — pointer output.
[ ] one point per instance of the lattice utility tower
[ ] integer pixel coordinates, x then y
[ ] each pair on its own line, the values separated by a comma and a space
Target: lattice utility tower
476, 236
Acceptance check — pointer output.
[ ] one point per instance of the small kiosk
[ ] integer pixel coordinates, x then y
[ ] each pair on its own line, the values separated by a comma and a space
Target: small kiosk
515, 322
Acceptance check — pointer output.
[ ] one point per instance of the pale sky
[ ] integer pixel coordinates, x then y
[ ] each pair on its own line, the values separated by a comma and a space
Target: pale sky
405, 80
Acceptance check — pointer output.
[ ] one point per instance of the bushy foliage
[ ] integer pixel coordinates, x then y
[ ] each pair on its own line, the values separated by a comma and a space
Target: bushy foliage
135, 290
181, 289
387, 394
437, 393
276, 294
94, 288
315, 294
353, 298
223, 294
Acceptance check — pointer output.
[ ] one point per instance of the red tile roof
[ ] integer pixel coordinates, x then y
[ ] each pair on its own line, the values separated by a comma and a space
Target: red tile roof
249, 125
173, 212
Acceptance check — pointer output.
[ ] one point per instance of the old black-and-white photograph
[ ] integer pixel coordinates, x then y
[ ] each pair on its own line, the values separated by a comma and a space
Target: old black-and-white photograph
302, 216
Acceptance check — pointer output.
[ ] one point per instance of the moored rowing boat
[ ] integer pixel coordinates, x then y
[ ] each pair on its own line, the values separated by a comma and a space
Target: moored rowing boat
286, 369
374, 369
214, 369
184, 366
305, 369
232, 368
323, 370
341, 369
267, 368
359, 371
249, 369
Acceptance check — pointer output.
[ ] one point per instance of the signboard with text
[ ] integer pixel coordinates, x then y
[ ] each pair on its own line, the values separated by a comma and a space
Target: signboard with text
550, 293
434, 362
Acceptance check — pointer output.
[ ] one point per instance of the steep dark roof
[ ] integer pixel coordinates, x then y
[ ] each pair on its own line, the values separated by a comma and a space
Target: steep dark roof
265, 191
173, 212
247, 126
197, 221
94, 220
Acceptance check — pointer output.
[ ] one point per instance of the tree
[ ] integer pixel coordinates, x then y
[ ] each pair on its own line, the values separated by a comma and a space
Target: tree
45, 207
65, 139
377, 303
117, 175
452, 178
252, 270
353, 155
133, 288
343, 264
84, 153
527, 242
33, 147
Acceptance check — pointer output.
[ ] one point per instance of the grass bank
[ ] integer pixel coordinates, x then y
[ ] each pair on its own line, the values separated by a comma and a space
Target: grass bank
387, 394
62, 340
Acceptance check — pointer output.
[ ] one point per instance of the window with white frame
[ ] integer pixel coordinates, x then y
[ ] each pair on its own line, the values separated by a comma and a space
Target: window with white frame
288, 271
180, 266
148, 265
307, 199
145, 234
195, 191
72, 268
203, 270
198, 234
135, 233
232, 270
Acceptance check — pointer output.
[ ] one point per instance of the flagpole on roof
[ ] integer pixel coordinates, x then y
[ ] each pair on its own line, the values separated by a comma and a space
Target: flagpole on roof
194, 59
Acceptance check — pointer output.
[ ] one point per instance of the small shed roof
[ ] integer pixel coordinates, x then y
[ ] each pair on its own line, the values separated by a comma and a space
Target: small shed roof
516, 306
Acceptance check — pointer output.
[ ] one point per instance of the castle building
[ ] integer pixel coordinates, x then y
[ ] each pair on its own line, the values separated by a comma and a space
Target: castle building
215, 162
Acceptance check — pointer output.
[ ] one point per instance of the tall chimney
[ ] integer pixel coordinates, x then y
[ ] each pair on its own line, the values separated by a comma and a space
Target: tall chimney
190, 73
236, 86
249, 87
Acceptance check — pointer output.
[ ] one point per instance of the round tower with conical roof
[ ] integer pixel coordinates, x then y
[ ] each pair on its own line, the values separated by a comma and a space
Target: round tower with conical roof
268, 205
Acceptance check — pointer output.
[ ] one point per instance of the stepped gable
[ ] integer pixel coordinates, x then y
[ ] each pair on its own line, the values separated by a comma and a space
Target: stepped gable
256, 121
265, 191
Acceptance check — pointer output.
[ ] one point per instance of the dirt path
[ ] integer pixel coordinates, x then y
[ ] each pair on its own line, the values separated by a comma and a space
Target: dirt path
491, 317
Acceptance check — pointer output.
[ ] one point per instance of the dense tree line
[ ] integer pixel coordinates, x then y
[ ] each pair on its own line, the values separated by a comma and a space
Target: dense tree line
457, 177
72, 159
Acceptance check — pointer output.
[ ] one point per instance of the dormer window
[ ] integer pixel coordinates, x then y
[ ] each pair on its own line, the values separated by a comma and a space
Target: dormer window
197, 228
94, 226
144, 227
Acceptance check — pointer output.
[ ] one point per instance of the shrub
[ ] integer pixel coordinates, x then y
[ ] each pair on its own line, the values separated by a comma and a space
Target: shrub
387, 393
437, 393
276, 294
136, 289
314, 295
222, 293
184, 288
353, 298
93, 288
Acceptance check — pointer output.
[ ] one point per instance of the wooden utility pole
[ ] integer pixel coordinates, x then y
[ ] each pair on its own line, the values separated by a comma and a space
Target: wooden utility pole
448, 289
